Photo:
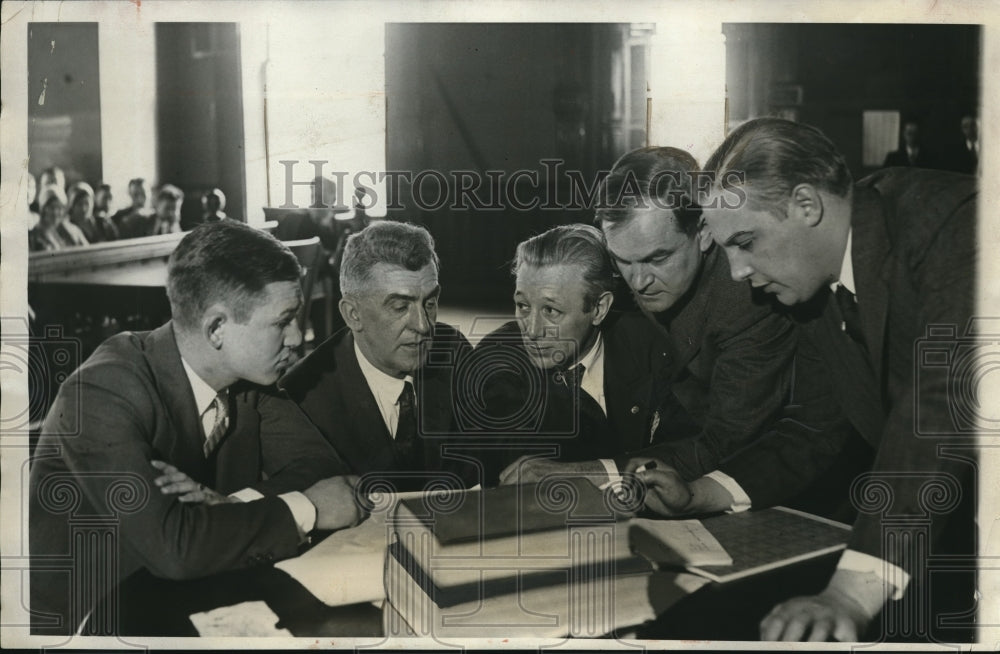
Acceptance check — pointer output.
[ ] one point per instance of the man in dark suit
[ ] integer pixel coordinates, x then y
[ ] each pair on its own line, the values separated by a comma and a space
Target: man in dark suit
911, 153
184, 395
569, 377
888, 263
377, 390
963, 157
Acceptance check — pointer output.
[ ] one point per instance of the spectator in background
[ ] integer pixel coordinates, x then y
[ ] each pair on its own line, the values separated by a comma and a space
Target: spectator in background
103, 200
911, 153
213, 206
81, 214
168, 210
134, 221
52, 176
964, 155
54, 231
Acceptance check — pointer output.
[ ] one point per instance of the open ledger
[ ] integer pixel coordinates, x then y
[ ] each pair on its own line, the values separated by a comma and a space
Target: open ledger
733, 546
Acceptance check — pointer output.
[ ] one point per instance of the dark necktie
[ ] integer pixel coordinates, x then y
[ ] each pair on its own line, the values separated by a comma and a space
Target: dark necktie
220, 422
849, 314
407, 442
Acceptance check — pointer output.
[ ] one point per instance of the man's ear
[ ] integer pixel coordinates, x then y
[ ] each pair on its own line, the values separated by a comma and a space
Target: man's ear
352, 315
213, 325
704, 236
806, 205
602, 307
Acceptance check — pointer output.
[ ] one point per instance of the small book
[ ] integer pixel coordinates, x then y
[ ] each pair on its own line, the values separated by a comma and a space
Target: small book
683, 543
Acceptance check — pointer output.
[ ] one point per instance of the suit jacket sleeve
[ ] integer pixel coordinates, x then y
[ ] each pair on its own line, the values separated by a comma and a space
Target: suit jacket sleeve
109, 463
748, 384
923, 474
294, 454
801, 444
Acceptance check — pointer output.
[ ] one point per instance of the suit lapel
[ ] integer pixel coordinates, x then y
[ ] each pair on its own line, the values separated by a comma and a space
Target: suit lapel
365, 442
238, 455
625, 389
185, 450
869, 254
686, 329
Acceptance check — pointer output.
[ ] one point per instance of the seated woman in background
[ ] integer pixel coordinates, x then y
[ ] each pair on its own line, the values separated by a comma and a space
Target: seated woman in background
81, 214
54, 231
135, 221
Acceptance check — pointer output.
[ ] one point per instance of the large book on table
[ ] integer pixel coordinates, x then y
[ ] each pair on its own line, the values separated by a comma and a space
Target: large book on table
464, 547
579, 607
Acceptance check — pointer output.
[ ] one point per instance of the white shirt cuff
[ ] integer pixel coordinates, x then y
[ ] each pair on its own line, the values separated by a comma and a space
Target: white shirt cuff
741, 501
246, 495
302, 510
897, 578
614, 476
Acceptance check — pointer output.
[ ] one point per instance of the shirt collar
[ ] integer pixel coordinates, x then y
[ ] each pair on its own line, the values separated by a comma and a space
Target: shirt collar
846, 278
204, 394
594, 356
385, 387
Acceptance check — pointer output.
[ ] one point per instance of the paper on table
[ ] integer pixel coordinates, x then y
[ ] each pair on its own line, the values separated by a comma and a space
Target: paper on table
348, 566
246, 619
684, 542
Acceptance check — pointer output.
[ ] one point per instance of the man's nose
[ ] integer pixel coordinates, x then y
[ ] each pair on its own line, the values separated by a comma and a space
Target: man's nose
640, 277
739, 265
533, 326
293, 335
419, 320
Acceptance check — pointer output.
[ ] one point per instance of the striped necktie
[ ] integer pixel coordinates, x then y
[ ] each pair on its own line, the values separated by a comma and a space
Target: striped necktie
219, 421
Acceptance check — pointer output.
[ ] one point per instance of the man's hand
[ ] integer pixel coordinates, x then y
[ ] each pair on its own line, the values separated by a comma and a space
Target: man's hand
175, 482
528, 470
667, 494
334, 502
842, 611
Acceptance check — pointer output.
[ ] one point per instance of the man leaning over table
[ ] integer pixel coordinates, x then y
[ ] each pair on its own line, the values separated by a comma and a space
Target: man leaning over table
881, 261
184, 397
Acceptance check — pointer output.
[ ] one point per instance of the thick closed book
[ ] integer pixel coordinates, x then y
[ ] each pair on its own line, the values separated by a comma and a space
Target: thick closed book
512, 510
473, 570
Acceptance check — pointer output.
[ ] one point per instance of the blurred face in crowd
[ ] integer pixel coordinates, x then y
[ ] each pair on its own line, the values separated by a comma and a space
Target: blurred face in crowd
551, 309
168, 209
52, 213
262, 348
911, 135
790, 257
658, 261
394, 318
102, 200
137, 193
83, 207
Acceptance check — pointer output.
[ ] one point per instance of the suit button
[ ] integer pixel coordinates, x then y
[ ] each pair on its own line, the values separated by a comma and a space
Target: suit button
635, 410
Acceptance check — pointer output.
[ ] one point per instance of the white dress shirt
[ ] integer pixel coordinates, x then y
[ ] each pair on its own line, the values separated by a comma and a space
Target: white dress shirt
302, 509
593, 372
385, 388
